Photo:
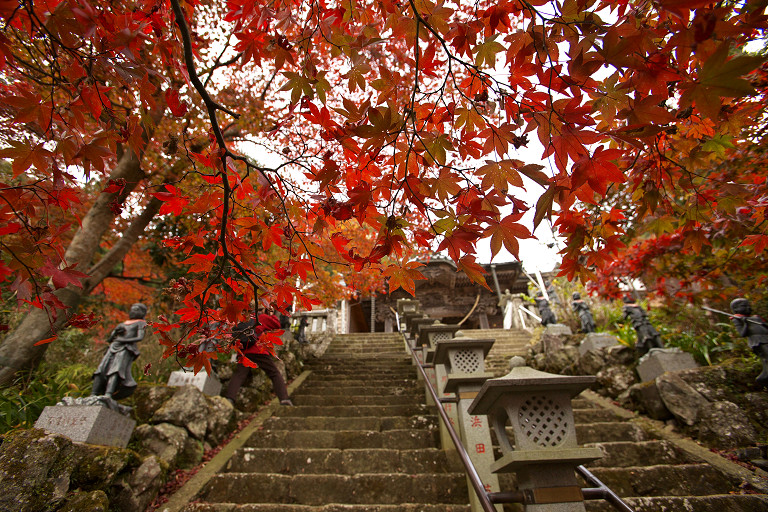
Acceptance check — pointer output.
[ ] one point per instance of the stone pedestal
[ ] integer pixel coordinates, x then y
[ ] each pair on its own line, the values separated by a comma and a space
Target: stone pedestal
596, 340
208, 384
91, 424
558, 330
660, 360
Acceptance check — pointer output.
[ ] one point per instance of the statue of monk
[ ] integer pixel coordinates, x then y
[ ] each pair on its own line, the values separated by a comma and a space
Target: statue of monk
585, 314
647, 335
755, 329
113, 377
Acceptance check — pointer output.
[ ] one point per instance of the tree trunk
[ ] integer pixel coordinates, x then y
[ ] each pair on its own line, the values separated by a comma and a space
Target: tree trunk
18, 351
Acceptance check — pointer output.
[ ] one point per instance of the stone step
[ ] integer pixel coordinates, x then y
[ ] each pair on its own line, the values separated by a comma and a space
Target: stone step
324, 384
345, 439
322, 388
375, 423
361, 354
594, 415
604, 432
369, 489
273, 507
623, 454
356, 410
335, 461
314, 399
371, 376
665, 480
712, 503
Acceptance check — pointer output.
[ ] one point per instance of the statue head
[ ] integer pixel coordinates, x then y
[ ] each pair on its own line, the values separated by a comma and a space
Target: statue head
137, 310
506, 291
540, 294
628, 299
741, 306
576, 296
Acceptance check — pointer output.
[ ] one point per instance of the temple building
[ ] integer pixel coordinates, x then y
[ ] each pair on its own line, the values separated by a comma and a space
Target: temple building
445, 294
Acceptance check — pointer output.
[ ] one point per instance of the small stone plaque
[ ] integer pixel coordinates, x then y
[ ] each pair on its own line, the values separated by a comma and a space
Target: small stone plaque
558, 330
91, 424
660, 360
208, 384
596, 340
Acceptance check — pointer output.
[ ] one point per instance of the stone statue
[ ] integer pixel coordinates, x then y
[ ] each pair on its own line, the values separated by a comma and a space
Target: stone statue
647, 335
585, 315
113, 377
755, 329
505, 303
546, 314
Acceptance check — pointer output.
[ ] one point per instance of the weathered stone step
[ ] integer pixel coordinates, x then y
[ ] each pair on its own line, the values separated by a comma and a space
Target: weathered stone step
356, 410
361, 388
622, 454
271, 507
345, 439
306, 399
375, 423
367, 370
605, 432
370, 376
713, 503
384, 489
379, 355
336, 461
594, 415
664, 480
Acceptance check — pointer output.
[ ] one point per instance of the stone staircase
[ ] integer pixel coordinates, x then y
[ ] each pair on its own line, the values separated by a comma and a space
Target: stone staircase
508, 343
358, 439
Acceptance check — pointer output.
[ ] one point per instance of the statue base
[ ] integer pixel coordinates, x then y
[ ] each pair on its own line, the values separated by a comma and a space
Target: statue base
596, 340
92, 424
558, 330
208, 384
660, 360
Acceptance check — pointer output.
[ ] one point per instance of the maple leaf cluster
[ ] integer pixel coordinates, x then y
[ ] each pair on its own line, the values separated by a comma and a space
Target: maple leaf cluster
392, 129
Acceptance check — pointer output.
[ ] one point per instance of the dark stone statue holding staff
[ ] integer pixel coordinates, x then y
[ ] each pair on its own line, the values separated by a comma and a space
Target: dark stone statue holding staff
755, 329
113, 377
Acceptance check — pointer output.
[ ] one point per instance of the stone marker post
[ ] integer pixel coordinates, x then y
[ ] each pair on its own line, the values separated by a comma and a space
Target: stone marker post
543, 449
208, 384
429, 335
464, 361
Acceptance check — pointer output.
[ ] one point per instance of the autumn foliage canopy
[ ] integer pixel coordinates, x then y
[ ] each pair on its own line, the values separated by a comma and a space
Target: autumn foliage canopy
292, 144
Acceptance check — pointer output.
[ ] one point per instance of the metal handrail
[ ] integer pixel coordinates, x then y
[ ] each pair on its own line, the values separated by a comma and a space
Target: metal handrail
474, 478
487, 499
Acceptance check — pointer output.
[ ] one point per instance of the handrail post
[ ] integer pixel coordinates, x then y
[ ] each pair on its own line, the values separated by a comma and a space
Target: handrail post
464, 360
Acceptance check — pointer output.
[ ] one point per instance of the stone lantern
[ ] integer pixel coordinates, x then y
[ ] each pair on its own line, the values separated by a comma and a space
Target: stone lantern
429, 335
460, 369
405, 306
543, 453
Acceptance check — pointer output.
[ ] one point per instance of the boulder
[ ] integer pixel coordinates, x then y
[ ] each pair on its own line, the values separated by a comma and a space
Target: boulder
647, 399
680, 398
186, 408
724, 425
557, 361
592, 361
35, 470
620, 354
551, 343
99, 466
756, 407
616, 379
148, 399
220, 419
191, 454
164, 440
137, 490
95, 501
